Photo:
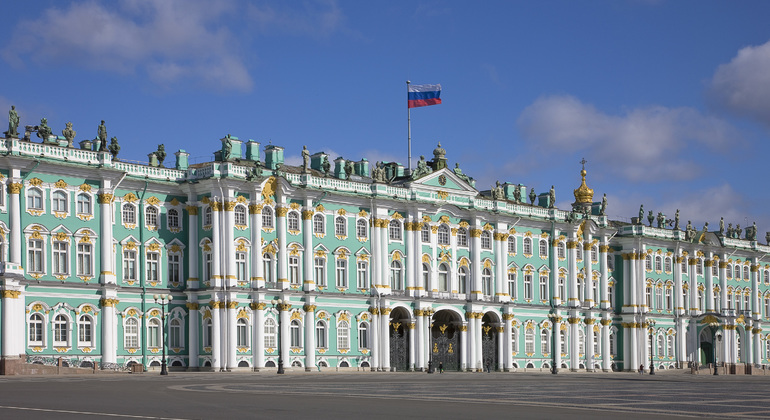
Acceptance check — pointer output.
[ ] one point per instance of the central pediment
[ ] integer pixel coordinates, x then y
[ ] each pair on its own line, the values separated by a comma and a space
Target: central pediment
443, 180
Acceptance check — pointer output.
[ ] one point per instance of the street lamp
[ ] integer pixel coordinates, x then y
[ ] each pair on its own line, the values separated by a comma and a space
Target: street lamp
651, 324
714, 326
554, 320
164, 300
279, 304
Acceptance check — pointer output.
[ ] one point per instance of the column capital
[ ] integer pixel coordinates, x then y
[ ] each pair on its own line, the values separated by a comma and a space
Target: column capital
15, 187
11, 294
255, 208
606, 322
192, 210
107, 302
105, 198
193, 306
258, 306
309, 308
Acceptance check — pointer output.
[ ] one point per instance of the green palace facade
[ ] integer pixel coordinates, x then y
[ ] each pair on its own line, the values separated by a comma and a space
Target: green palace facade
343, 264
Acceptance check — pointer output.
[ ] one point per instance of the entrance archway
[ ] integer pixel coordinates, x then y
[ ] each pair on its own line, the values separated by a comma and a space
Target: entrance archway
489, 324
706, 354
445, 340
399, 340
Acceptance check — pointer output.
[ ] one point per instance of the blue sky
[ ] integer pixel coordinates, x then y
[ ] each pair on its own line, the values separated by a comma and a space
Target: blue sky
669, 101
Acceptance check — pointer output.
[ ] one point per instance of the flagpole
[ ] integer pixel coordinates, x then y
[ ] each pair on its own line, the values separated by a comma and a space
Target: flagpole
409, 130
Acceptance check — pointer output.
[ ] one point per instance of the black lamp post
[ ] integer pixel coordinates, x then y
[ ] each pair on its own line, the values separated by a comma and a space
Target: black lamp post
430, 346
164, 300
651, 323
554, 320
279, 304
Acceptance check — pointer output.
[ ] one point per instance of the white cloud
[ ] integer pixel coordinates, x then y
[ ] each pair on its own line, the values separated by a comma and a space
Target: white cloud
649, 143
170, 40
742, 86
315, 18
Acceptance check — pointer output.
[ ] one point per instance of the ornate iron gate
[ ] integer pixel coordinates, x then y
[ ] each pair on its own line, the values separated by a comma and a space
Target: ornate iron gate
489, 348
399, 347
446, 348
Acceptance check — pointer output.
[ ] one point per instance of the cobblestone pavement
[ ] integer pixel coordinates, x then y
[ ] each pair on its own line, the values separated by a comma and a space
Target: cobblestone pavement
385, 395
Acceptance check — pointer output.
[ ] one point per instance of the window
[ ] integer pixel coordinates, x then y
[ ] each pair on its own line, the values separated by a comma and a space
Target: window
84, 204
293, 269
543, 248
362, 230
648, 296
35, 335
486, 282
396, 279
597, 342
425, 276
207, 216
175, 334
514, 341
715, 268
511, 244
35, 256
295, 334
462, 277
561, 251
342, 273
172, 219
267, 217
443, 235
340, 226
85, 331
527, 246
528, 286
581, 342
425, 232
529, 341
610, 263
362, 275
363, 335
701, 305
151, 217
320, 335
648, 262
131, 334
84, 260
207, 331
660, 346
240, 266
60, 266
129, 264
318, 224
175, 268
129, 214
270, 341
658, 263
545, 341
153, 259
240, 215
394, 230
561, 289
486, 240
443, 278
60, 330
512, 284
153, 333
581, 289
670, 345
669, 303
594, 254
292, 221
320, 271
35, 199
267, 267
659, 297
579, 251
746, 272
462, 237
668, 264
59, 201
684, 265
343, 332
699, 267
543, 286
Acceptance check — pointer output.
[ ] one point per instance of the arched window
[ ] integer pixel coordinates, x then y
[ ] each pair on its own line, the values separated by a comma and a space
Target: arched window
85, 331
267, 265
59, 201
175, 334
564, 342
340, 226
668, 264
35, 336
425, 232
35, 199
172, 219
267, 217
511, 244
443, 278
746, 272
648, 262
561, 250
529, 341
669, 303
425, 276
581, 289
443, 235
396, 281
343, 335
363, 335
292, 221
527, 246
207, 216
579, 251
543, 248
659, 297
462, 237
240, 215
318, 224
153, 333
594, 254
661, 346
486, 240
362, 231
597, 342
270, 341
394, 230
581, 342
320, 335
561, 289
658, 263
131, 334
545, 341
151, 217
84, 203
60, 330
129, 214
295, 334
670, 345
514, 340
462, 277
486, 282
699, 267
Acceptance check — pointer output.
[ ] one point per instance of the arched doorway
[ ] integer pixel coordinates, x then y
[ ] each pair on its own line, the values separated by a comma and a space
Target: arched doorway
489, 324
399, 341
706, 340
445, 340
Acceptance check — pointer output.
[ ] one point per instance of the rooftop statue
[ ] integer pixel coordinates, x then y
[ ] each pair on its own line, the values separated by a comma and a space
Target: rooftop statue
161, 154
227, 149
460, 174
326, 166
13, 123
517, 194
603, 208
738, 231
348, 169
751, 232
640, 220
532, 196
43, 130
661, 220
497, 191
114, 148
650, 218
422, 168
552, 198
69, 134
730, 230
689, 231
676, 220
305, 159
721, 226
378, 173
101, 136
767, 237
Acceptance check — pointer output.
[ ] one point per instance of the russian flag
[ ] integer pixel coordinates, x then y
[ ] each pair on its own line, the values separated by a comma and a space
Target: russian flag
423, 95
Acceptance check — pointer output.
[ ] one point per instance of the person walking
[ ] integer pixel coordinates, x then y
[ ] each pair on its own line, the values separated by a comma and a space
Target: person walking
440, 367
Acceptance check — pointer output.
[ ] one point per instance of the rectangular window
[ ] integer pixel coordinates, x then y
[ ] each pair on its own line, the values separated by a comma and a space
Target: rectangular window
512, 285
362, 275
320, 271
293, 270
129, 264
84, 260
35, 253
544, 287
60, 266
207, 266
240, 267
342, 273
528, 287
174, 268
84, 332
153, 259
132, 333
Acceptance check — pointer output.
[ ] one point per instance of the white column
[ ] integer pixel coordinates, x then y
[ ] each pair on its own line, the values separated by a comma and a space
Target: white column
216, 342
574, 342
193, 334
557, 339
107, 271
681, 341
631, 358
285, 335
216, 245
574, 299
377, 281
464, 346
433, 275
283, 257
193, 280
679, 304
604, 299
15, 216
376, 337
748, 346
589, 344
13, 317
709, 295
416, 261
232, 334
307, 235
475, 291
229, 235
500, 348
501, 266
588, 269
692, 309
412, 255
454, 283
756, 309
412, 360
633, 286
257, 266
420, 339
756, 331
257, 334
385, 344
310, 337
384, 267
606, 349
477, 336
506, 338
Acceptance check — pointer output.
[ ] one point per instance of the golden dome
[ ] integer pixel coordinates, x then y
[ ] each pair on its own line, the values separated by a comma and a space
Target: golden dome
584, 194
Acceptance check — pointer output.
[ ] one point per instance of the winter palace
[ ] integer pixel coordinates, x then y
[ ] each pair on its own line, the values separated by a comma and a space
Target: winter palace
346, 264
